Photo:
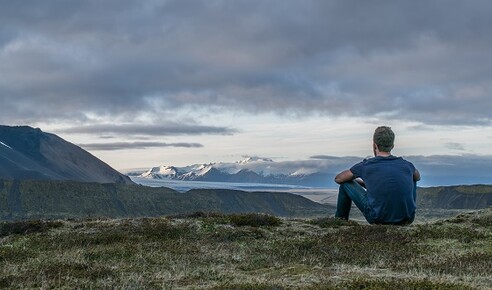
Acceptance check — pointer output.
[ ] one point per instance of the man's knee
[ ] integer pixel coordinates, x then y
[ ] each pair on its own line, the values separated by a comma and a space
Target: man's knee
350, 184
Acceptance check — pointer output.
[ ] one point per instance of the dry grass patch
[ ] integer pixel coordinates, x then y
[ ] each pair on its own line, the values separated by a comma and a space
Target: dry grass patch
247, 251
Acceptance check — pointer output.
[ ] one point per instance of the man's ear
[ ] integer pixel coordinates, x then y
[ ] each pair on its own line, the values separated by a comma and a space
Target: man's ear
374, 146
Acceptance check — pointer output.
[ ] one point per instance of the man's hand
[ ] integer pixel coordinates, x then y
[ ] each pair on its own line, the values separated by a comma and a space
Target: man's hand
344, 176
361, 182
416, 175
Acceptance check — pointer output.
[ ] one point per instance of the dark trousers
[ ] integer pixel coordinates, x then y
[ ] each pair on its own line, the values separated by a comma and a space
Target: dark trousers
353, 191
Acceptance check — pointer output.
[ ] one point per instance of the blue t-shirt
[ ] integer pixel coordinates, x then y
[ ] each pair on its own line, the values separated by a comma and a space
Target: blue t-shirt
390, 187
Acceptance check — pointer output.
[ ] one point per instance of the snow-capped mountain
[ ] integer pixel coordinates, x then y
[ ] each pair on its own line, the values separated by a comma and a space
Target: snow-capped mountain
161, 172
252, 170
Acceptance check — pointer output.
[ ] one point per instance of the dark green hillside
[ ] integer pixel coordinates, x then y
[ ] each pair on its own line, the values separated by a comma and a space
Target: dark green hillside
277, 203
455, 197
65, 199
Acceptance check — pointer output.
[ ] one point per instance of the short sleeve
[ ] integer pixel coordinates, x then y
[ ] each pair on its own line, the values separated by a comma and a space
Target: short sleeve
357, 169
413, 166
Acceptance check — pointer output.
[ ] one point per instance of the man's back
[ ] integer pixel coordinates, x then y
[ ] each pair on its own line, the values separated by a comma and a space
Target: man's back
391, 185
390, 188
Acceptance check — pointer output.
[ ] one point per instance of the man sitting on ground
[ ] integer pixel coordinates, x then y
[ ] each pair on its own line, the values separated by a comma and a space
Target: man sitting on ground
384, 187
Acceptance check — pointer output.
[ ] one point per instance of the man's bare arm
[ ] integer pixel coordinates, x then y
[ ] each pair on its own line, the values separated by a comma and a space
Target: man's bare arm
344, 176
416, 175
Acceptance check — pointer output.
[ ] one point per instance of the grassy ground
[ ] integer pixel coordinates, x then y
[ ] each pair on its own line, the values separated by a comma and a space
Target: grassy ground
215, 251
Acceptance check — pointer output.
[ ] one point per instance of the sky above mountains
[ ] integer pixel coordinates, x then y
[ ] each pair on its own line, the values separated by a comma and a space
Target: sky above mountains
143, 83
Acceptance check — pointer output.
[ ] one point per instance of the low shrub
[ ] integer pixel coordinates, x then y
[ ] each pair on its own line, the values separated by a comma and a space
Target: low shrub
402, 284
15, 255
330, 222
226, 234
254, 220
75, 270
239, 219
472, 263
27, 227
247, 286
199, 214
451, 231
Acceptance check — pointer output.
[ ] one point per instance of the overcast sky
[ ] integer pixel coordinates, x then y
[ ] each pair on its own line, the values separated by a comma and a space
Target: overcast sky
144, 83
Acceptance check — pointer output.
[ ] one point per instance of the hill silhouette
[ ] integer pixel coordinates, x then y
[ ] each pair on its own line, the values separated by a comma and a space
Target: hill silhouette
28, 153
455, 197
42, 199
49, 199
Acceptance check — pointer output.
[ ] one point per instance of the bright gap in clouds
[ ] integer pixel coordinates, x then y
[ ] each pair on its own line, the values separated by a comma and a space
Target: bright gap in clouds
284, 138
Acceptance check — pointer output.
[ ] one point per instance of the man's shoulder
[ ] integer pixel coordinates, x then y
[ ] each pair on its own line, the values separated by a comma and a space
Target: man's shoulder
392, 159
379, 159
404, 160
405, 163
385, 160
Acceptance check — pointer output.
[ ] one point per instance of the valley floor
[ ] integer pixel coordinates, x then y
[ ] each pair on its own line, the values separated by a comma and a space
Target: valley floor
248, 251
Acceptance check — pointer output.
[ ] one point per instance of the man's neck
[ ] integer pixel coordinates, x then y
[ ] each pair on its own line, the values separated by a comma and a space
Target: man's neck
383, 154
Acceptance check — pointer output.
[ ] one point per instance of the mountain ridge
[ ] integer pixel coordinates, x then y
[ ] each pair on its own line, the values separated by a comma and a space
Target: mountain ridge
29, 153
249, 170
52, 199
455, 197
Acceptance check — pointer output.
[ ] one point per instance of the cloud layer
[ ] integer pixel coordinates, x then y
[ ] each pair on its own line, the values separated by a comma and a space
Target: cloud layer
111, 146
425, 61
168, 129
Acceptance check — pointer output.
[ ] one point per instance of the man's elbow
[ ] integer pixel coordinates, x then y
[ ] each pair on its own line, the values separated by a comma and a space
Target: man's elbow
344, 176
338, 180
